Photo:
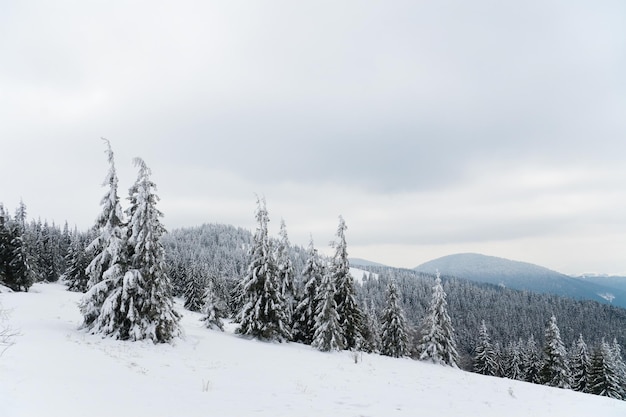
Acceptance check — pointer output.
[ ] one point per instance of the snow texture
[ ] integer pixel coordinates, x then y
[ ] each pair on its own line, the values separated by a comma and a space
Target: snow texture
56, 370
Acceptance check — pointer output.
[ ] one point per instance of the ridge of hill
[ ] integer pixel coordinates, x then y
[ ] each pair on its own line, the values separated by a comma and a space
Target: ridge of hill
522, 276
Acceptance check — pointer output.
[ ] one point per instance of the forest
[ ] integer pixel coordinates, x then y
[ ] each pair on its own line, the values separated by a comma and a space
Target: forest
131, 271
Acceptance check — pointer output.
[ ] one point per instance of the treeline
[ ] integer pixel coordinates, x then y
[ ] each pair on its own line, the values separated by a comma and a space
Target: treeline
511, 314
600, 370
31, 251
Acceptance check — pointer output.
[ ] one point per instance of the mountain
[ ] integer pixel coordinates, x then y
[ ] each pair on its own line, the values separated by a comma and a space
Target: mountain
612, 281
363, 262
54, 369
522, 276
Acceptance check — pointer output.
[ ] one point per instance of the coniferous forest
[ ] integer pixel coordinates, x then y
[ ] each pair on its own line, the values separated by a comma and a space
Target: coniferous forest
131, 270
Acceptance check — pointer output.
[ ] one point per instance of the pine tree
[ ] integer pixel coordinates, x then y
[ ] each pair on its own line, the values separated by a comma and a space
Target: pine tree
531, 361
263, 313
78, 259
437, 343
143, 308
485, 361
213, 308
580, 365
108, 266
620, 366
328, 334
604, 376
512, 362
284, 270
5, 252
304, 314
371, 330
47, 255
350, 315
555, 371
195, 288
394, 334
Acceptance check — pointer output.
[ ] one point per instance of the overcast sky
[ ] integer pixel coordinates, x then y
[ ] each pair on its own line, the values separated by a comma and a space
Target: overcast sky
433, 127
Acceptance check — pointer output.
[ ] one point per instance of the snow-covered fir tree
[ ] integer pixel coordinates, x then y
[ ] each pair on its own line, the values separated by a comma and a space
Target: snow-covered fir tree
263, 313
531, 361
145, 308
195, 288
108, 266
304, 314
511, 363
285, 271
580, 365
371, 330
394, 333
213, 309
485, 360
350, 315
555, 371
139, 302
437, 343
620, 366
604, 376
21, 278
328, 335
78, 259
15, 271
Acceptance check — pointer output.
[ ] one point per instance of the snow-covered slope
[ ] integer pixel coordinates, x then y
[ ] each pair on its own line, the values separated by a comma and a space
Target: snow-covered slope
56, 370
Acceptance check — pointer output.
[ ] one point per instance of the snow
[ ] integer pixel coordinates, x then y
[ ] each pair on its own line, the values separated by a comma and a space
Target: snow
56, 370
357, 274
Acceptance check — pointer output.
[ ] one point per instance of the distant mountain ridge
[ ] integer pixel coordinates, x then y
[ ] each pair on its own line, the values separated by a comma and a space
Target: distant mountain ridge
522, 276
363, 262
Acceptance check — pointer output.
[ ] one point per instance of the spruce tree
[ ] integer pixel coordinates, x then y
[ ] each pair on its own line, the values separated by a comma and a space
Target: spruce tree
328, 335
394, 334
604, 376
531, 361
213, 309
196, 285
485, 361
555, 371
371, 330
304, 314
19, 276
350, 315
620, 366
437, 343
5, 251
512, 362
580, 365
108, 266
263, 313
284, 270
78, 259
143, 307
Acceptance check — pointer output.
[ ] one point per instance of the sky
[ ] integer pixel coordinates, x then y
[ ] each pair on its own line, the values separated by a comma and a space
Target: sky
432, 127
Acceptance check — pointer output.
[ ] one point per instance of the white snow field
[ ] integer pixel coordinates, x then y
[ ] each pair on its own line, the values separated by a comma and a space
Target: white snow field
53, 369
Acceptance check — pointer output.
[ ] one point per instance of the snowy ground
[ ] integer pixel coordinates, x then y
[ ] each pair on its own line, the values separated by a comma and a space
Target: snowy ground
56, 370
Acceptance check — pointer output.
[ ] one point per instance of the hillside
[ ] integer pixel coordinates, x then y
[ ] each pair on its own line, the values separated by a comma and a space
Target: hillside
56, 370
522, 276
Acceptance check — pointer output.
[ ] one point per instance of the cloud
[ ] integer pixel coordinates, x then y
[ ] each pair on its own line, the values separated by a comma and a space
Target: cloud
423, 123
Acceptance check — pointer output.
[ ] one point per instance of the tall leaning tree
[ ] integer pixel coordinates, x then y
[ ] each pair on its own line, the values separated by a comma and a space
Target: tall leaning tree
108, 265
263, 314
144, 308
